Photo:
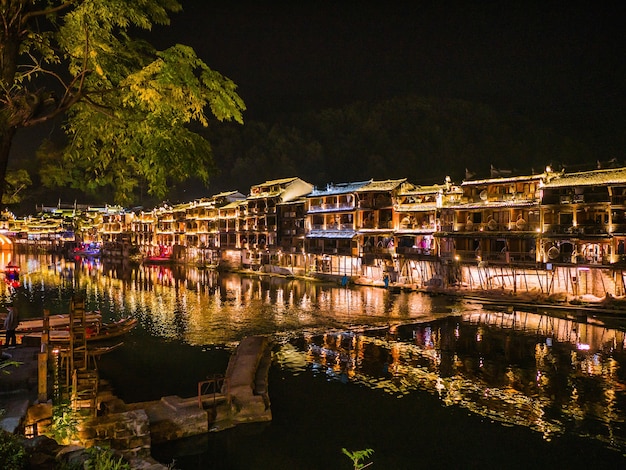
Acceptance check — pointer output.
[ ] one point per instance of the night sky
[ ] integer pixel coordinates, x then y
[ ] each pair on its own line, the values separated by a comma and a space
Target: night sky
561, 62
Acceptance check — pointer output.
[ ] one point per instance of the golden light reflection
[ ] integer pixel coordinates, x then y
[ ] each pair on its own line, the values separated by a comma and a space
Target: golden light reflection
403, 365
507, 366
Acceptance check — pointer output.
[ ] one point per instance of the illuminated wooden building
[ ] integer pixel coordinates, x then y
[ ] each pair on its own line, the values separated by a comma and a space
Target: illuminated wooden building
249, 229
169, 232
495, 220
229, 220
417, 218
556, 222
115, 233
584, 217
292, 231
143, 227
331, 219
202, 228
331, 227
376, 202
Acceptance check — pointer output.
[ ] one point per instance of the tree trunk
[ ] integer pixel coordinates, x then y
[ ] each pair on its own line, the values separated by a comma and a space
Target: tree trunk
6, 139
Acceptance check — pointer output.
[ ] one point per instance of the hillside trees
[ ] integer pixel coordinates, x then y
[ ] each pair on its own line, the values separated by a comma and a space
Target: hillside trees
420, 138
128, 108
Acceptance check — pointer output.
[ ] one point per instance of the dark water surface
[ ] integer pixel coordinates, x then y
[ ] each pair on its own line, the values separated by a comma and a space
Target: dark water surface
423, 381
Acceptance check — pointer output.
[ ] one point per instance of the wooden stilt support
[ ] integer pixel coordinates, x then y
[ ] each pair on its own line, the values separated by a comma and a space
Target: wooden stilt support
84, 382
42, 360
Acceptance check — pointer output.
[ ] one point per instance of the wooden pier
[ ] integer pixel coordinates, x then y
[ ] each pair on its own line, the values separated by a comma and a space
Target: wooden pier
240, 396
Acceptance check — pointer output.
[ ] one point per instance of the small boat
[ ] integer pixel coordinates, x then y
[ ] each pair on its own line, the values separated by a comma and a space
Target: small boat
158, 260
87, 250
93, 353
12, 275
104, 332
56, 322
160, 255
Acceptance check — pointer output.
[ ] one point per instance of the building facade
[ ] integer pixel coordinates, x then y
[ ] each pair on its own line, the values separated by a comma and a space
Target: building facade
531, 231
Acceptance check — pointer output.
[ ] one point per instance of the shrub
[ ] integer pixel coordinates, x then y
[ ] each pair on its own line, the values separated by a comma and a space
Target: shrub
104, 459
65, 424
12, 453
358, 456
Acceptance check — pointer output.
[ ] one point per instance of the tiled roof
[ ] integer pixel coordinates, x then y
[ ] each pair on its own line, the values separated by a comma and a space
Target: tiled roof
421, 190
279, 181
233, 205
224, 194
340, 188
508, 179
494, 204
267, 194
589, 178
386, 185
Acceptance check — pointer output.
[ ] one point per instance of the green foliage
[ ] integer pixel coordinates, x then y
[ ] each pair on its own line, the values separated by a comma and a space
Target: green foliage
5, 364
12, 453
129, 109
65, 422
16, 182
358, 456
104, 459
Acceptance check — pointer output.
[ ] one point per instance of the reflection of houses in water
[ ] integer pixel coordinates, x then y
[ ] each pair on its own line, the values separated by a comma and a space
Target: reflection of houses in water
516, 368
552, 329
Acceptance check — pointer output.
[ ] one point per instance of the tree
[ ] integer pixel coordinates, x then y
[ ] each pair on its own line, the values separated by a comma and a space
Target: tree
128, 109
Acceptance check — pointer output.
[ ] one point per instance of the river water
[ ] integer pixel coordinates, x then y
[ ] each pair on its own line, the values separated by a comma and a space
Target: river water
423, 381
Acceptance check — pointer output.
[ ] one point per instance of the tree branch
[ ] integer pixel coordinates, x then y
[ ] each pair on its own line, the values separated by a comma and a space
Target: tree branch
49, 11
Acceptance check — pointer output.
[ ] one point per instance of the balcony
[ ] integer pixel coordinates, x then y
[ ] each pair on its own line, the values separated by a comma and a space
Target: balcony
417, 226
493, 226
495, 257
581, 229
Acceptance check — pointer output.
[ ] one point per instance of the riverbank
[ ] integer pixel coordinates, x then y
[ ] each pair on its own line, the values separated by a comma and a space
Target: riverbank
18, 385
132, 428
22, 414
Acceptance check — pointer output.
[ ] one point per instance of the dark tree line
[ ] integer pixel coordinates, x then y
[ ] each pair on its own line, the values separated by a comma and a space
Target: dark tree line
422, 139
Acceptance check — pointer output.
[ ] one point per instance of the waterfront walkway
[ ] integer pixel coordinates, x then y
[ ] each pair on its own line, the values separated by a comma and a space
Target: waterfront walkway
18, 386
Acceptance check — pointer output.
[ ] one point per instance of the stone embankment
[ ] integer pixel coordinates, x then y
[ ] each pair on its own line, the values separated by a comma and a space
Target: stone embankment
241, 396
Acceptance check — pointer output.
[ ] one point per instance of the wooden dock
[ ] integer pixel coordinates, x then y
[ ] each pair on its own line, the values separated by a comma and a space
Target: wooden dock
241, 397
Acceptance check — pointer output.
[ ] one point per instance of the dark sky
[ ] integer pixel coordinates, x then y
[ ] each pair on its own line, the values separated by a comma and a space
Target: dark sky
563, 62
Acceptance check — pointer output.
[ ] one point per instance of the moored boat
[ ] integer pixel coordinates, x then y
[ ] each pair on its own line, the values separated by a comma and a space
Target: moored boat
56, 322
104, 332
87, 250
158, 259
12, 275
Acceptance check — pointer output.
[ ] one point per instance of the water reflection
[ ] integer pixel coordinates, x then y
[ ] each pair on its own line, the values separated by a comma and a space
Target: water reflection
553, 375
204, 307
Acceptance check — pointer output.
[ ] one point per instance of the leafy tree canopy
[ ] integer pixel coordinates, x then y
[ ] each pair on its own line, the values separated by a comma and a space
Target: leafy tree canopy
128, 108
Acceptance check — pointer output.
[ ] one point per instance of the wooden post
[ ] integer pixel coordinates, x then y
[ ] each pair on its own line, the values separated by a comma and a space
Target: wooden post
42, 369
42, 360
